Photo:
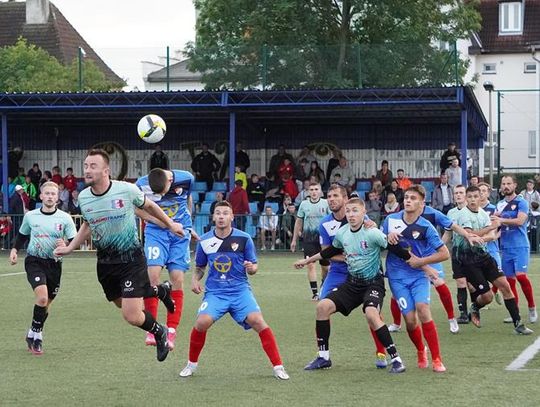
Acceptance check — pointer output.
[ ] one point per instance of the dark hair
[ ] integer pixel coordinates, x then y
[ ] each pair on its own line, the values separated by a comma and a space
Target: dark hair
205, 144
238, 182
384, 162
401, 169
69, 169
338, 187
514, 179
157, 179
472, 188
47, 173
224, 204
101, 152
313, 183
419, 189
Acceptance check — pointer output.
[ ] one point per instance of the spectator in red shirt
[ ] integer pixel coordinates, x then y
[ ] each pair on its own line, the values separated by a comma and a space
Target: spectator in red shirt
288, 186
238, 199
5, 228
286, 168
70, 182
56, 176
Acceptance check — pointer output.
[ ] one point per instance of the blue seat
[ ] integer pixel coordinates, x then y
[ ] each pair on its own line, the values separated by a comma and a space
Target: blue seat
80, 185
219, 187
205, 208
253, 208
251, 228
428, 185
363, 186
201, 221
273, 205
210, 196
200, 186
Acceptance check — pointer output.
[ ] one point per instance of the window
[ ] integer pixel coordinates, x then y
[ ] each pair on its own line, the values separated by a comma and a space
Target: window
490, 68
532, 143
529, 67
510, 18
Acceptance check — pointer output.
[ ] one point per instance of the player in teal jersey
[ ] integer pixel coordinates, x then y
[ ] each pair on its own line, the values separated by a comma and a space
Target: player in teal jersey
310, 214
45, 227
364, 285
108, 209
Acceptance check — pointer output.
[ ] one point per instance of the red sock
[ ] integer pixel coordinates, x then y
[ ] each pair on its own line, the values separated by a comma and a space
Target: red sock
396, 312
151, 305
527, 289
196, 343
416, 338
512, 282
269, 344
446, 298
432, 339
494, 289
173, 319
378, 345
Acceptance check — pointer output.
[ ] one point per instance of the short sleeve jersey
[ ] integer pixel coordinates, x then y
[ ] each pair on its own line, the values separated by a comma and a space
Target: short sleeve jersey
362, 249
44, 229
419, 237
311, 214
453, 215
175, 202
328, 229
513, 236
112, 220
474, 221
492, 246
225, 258
437, 218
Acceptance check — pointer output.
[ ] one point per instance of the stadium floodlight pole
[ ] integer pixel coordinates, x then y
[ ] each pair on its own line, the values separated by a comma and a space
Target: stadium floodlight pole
489, 87
5, 187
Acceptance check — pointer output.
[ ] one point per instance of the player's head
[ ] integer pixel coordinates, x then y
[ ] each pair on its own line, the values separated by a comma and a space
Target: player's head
314, 190
459, 194
414, 198
96, 167
485, 191
223, 215
49, 194
337, 197
355, 210
160, 181
473, 197
508, 185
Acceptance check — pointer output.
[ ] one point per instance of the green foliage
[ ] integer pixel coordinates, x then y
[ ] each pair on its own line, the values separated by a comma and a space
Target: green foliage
319, 43
27, 68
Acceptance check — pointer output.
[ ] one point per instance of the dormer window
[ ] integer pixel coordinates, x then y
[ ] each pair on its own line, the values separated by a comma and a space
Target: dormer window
510, 18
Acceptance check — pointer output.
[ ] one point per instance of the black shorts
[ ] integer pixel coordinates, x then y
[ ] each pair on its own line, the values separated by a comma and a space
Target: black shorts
457, 272
125, 280
351, 295
480, 270
44, 272
311, 249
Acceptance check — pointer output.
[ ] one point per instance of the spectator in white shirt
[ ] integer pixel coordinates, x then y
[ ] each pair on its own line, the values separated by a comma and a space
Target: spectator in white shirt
268, 225
454, 173
443, 198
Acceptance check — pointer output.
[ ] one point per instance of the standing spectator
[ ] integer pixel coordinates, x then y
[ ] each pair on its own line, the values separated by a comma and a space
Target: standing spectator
286, 167
473, 181
31, 191
333, 163
56, 175
240, 175
63, 197
343, 175
403, 181
47, 176
205, 165
239, 201
256, 191
73, 204
18, 205
287, 225
317, 172
395, 190
268, 224
304, 193
5, 228
277, 160
241, 159
159, 159
443, 197
302, 170
20, 178
35, 174
306, 154
384, 174
288, 186
449, 156
454, 173
530, 194
391, 205
374, 207
70, 182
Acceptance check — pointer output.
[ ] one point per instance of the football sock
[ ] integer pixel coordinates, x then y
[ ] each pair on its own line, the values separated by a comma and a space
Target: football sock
322, 330
527, 289
196, 343
513, 310
38, 319
384, 336
380, 348
269, 344
416, 338
462, 300
446, 298
512, 282
173, 319
432, 339
151, 325
313, 285
396, 313
151, 305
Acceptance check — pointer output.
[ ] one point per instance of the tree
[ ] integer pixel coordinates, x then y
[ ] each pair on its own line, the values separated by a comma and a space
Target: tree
27, 68
329, 43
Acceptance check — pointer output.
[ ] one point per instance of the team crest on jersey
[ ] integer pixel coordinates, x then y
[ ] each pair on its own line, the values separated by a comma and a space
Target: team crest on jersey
513, 207
178, 190
58, 227
234, 246
117, 203
415, 234
363, 244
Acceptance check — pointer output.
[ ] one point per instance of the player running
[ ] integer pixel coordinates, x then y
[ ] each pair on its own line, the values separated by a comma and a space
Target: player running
230, 254
45, 227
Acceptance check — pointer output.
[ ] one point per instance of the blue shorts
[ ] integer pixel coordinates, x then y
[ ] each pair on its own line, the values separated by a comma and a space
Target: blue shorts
410, 291
165, 249
515, 261
333, 280
439, 268
239, 305
497, 257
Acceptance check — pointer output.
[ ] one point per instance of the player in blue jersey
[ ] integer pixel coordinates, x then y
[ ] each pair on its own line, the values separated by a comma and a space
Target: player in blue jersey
513, 213
45, 227
230, 254
171, 191
108, 210
408, 282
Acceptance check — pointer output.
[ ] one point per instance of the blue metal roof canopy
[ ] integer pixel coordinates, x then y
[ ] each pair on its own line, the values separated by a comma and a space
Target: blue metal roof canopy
403, 105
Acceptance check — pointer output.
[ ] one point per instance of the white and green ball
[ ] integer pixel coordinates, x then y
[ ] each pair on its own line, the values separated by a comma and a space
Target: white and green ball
151, 128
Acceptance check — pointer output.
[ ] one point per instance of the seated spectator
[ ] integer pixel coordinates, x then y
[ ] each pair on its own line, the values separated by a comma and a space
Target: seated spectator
256, 191
304, 193
286, 168
47, 176
454, 173
333, 163
343, 175
443, 196
70, 182
239, 201
31, 191
530, 194
278, 159
384, 174
73, 203
302, 170
288, 186
391, 205
240, 175
287, 200
20, 178
5, 228
374, 207
63, 198
56, 175
403, 181
377, 186
287, 226
317, 172
396, 190
305, 154
268, 225
35, 174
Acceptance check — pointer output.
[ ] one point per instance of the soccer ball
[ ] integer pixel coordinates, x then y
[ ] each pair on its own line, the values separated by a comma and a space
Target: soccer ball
151, 128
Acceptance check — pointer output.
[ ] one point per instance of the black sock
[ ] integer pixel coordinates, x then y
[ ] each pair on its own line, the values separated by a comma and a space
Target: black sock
462, 300
322, 329
38, 319
151, 325
513, 310
313, 285
386, 339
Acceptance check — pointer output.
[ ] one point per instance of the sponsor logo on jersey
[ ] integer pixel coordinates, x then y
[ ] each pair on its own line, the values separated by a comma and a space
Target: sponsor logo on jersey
117, 203
222, 264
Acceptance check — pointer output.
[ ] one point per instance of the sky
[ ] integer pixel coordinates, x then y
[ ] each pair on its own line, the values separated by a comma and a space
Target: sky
126, 32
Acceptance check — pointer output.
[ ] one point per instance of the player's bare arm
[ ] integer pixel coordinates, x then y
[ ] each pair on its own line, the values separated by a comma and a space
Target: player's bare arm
441, 255
393, 238
471, 238
196, 280
299, 224
251, 268
447, 237
82, 235
154, 210
519, 221
144, 215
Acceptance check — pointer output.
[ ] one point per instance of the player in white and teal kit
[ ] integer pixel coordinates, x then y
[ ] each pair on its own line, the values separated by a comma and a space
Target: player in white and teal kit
45, 227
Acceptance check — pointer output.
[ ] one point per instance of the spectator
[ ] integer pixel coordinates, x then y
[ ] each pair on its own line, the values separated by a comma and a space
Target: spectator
63, 197
343, 175
287, 225
317, 172
277, 160
377, 186
443, 196
395, 190
47, 176
11, 187
35, 174
304, 193
286, 167
256, 191
18, 205
20, 178
219, 198
403, 181
239, 201
158, 159
241, 159
286, 202
474, 180
374, 207
268, 225
5, 228
332, 163
449, 156
530, 194
384, 174
56, 175
305, 154
73, 203
205, 165
454, 173
288, 186
302, 170
391, 205
240, 175
70, 182
31, 191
